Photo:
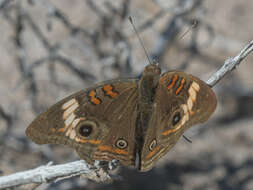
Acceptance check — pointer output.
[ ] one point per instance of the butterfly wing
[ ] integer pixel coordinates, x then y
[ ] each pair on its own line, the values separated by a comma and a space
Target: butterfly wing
181, 101
99, 123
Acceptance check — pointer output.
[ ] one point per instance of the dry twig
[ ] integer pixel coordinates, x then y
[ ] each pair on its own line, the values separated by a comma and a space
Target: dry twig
230, 64
45, 174
48, 173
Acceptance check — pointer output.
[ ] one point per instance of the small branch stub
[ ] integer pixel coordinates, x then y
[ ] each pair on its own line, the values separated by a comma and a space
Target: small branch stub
49, 173
230, 64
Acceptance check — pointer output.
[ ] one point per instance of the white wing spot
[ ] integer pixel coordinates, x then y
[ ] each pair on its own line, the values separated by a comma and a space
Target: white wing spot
70, 110
186, 114
68, 132
72, 134
195, 86
185, 118
75, 122
68, 115
69, 103
185, 108
193, 96
70, 119
189, 103
192, 93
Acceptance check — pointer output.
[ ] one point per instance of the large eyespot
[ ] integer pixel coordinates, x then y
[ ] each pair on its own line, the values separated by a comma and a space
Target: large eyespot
121, 143
176, 118
86, 128
152, 145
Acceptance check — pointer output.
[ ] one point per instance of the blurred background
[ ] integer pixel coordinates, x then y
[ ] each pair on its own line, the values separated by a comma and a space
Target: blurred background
52, 48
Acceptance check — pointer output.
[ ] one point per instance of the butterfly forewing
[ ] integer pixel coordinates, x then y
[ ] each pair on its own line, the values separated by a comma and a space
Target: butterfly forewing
92, 121
181, 100
120, 119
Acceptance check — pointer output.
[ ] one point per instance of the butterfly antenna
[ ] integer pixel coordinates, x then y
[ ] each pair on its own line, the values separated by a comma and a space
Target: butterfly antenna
188, 29
139, 38
187, 139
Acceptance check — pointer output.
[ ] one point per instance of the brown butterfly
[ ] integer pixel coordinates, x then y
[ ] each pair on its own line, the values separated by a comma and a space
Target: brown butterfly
134, 121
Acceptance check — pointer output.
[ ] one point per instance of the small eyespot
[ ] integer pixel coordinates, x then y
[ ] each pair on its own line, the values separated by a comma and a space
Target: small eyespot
85, 129
152, 145
176, 118
121, 143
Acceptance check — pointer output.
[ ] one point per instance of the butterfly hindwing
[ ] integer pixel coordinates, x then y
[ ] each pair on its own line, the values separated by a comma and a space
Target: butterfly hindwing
133, 121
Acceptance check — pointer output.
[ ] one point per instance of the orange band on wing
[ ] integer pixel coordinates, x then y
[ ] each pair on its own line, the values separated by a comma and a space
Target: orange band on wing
61, 130
88, 141
174, 80
52, 130
112, 150
171, 130
153, 152
93, 98
180, 87
108, 90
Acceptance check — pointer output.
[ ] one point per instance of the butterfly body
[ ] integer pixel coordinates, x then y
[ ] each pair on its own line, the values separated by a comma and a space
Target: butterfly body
135, 121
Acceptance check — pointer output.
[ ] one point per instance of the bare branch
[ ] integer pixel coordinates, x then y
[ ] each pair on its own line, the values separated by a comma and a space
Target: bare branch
229, 65
3, 3
48, 173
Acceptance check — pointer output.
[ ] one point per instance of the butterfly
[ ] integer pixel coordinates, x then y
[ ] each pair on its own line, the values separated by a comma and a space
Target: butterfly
134, 121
